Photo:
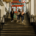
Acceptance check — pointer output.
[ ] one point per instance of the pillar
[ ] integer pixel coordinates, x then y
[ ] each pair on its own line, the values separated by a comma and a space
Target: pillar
7, 6
0, 13
32, 7
32, 10
27, 7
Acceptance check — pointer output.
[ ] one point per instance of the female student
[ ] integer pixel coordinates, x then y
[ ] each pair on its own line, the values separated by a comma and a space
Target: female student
22, 16
12, 14
18, 15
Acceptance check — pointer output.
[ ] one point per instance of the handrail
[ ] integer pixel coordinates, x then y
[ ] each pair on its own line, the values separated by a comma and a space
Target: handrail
33, 16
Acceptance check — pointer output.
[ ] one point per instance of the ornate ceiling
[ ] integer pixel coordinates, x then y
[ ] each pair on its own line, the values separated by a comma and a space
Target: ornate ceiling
8, 0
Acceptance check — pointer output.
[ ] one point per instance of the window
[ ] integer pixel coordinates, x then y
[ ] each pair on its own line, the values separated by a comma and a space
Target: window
14, 8
19, 8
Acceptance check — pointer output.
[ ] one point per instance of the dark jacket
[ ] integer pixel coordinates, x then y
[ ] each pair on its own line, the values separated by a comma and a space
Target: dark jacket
11, 13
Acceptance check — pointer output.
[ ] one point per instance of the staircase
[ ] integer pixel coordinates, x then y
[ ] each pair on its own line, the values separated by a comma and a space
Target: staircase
16, 29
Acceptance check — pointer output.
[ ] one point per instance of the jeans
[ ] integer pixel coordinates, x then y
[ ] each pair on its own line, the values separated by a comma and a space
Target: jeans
11, 17
22, 17
18, 17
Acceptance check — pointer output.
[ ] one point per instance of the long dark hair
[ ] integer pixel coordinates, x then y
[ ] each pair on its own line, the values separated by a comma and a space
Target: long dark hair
19, 10
12, 9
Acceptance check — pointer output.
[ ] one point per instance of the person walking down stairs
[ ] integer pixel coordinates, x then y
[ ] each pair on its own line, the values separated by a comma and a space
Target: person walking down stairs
18, 15
12, 14
22, 16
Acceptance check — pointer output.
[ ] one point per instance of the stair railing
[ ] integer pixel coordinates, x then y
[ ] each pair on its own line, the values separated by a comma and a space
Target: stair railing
34, 22
3, 21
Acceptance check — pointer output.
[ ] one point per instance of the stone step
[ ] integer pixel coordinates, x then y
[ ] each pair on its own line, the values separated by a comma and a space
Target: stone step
18, 25
15, 27
17, 32
15, 35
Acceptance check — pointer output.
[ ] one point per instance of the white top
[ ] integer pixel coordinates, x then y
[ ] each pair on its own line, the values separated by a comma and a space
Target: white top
18, 13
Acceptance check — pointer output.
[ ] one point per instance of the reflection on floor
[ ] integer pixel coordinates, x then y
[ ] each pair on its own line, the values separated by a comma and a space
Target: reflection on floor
17, 29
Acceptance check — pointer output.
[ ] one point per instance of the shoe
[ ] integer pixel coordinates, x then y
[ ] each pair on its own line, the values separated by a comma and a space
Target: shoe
22, 21
17, 21
12, 21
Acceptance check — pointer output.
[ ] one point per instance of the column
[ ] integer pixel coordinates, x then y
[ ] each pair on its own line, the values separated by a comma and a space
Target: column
32, 7
32, 10
27, 7
7, 6
0, 13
